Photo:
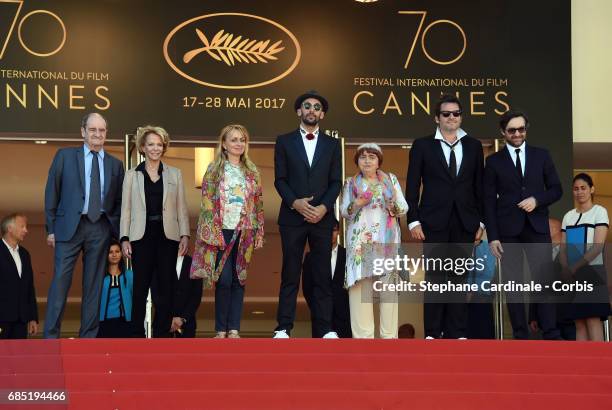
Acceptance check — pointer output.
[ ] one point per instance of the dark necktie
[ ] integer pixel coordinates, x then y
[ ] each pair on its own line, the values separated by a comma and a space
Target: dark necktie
517, 164
95, 204
452, 161
309, 136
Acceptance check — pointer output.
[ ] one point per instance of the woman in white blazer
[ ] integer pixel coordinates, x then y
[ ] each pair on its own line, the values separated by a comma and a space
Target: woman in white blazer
154, 228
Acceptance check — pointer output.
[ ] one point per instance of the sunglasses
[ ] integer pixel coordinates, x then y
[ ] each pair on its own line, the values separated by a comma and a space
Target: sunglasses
316, 106
512, 131
447, 114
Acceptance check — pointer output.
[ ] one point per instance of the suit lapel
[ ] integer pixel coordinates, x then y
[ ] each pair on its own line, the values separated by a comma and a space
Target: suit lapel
7, 255
107, 173
299, 146
80, 156
318, 149
527, 162
165, 176
466, 153
440, 154
140, 179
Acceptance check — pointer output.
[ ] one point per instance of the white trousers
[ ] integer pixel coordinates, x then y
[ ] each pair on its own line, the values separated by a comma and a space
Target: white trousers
362, 313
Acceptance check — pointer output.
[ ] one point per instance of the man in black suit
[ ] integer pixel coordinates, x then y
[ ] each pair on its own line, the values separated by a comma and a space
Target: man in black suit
448, 166
341, 315
18, 311
308, 177
179, 319
520, 183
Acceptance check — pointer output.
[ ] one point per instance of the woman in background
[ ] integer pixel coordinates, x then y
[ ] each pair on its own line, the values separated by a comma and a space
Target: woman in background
584, 232
230, 226
116, 298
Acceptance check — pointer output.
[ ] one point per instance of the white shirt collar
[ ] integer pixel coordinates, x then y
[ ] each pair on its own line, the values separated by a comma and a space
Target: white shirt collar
304, 132
512, 149
460, 134
16, 249
87, 150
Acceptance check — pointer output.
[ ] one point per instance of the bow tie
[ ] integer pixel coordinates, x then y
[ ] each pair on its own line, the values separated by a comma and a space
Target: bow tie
310, 136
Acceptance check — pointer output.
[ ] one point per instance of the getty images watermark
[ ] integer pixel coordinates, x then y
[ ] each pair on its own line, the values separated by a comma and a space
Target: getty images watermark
455, 272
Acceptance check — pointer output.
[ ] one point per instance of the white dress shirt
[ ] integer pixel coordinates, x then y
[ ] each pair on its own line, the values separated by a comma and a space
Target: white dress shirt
512, 151
334, 258
15, 254
446, 149
310, 145
179, 266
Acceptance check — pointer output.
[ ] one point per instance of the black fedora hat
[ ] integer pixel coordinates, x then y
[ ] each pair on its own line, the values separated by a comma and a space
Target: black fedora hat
311, 94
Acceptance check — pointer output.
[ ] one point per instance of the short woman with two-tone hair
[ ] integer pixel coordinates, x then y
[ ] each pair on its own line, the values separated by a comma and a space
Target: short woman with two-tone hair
372, 201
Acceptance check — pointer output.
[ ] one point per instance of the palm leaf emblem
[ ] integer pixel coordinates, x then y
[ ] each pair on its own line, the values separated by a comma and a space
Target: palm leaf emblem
231, 49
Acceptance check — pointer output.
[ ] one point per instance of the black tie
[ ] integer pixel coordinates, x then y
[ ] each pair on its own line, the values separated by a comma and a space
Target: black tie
95, 206
517, 164
452, 161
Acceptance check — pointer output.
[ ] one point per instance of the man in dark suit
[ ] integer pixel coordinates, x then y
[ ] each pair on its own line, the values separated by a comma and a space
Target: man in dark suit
448, 166
341, 315
18, 311
520, 183
82, 209
179, 319
308, 177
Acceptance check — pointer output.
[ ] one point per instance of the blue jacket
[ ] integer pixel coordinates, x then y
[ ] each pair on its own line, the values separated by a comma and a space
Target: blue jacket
126, 283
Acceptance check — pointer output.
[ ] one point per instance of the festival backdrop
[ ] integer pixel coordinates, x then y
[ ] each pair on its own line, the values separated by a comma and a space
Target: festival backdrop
194, 66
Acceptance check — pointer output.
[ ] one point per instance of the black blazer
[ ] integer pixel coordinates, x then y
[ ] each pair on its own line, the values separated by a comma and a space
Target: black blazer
294, 178
17, 296
504, 189
433, 206
341, 317
187, 294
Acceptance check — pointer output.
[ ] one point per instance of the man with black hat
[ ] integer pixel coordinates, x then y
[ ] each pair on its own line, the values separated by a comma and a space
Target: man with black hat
308, 177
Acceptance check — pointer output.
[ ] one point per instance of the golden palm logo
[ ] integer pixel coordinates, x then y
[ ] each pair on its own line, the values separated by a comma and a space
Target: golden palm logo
230, 49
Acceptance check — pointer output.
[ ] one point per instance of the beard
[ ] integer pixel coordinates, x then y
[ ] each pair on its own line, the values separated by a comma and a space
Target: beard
310, 121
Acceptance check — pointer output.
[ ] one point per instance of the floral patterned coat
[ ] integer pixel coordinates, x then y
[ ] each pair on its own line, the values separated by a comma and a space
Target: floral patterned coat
371, 224
209, 237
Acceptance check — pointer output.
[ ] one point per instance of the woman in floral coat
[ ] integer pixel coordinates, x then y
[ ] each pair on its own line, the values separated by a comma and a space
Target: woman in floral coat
372, 201
230, 226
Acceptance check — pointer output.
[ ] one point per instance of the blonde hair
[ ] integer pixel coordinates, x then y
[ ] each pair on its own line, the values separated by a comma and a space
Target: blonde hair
218, 162
143, 132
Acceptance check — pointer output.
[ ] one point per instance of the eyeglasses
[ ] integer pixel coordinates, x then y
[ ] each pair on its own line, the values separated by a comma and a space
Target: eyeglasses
512, 131
447, 114
316, 106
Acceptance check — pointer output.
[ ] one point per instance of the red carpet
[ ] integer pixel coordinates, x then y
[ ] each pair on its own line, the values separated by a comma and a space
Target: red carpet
311, 374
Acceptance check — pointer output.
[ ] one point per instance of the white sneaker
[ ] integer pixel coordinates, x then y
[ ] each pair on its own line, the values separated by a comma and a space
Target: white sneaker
331, 335
280, 334
430, 338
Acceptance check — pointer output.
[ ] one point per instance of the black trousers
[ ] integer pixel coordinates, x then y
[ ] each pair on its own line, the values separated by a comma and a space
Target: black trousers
114, 328
13, 330
512, 269
153, 257
293, 240
446, 315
